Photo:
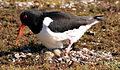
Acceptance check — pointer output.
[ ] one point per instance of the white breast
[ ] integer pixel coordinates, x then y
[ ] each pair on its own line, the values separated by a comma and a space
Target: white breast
48, 38
55, 40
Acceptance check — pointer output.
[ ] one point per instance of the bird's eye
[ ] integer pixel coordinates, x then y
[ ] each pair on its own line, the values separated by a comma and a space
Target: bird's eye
25, 17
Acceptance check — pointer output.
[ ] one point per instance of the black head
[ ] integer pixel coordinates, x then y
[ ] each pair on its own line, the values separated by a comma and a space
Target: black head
32, 19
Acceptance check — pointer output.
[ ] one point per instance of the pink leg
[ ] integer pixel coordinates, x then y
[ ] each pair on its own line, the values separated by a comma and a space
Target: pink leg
67, 50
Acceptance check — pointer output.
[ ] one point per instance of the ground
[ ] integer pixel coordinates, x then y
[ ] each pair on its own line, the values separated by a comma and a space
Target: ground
104, 36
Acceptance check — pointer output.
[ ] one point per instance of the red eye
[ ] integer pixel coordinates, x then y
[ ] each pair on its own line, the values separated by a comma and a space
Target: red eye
25, 16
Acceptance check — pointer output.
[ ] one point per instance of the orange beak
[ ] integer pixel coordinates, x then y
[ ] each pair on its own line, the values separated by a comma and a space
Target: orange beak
20, 32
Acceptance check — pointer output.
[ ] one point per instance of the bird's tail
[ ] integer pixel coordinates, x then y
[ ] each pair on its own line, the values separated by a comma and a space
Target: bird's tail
100, 18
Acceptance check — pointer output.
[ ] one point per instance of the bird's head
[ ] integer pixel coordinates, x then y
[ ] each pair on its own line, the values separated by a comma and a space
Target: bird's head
32, 19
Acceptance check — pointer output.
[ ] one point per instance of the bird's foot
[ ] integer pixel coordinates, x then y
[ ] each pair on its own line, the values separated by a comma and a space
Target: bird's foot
66, 51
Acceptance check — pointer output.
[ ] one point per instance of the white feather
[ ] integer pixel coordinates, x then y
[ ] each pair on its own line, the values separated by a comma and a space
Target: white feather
76, 34
47, 21
55, 40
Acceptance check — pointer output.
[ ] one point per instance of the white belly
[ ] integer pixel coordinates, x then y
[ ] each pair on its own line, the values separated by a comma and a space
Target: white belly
76, 34
55, 40
48, 39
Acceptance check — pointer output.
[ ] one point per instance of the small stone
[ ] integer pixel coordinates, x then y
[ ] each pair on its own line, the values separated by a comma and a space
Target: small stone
49, 54
0, 24
85, 50
13, 59
23, 55
37, 4
24, 3
117, 2
66, 59
30, 3
70, 62
60, 59
1, 7
83, 43
37, 57
20, 5
74, 9
28, 6
91, 33
75, 59
29, 54
51, 5
87, 1
50, 60
57, 52
17, 55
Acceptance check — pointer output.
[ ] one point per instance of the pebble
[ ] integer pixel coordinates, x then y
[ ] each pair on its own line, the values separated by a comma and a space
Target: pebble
0, 24
57, 52
17, 55
74, 9
23, 55
117, 2
29, 54
87, 1
28, 4
60, 59
84, 55
37, 57
85, 50
91, 33
49, 54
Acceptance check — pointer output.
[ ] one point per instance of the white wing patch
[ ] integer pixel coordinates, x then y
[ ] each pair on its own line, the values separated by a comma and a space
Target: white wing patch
76, 34
55, 40
47, 21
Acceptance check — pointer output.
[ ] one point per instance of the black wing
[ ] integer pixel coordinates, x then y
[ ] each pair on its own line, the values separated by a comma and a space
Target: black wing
63, 22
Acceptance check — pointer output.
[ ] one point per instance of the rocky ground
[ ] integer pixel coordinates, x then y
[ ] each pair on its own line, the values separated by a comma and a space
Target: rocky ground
98, 49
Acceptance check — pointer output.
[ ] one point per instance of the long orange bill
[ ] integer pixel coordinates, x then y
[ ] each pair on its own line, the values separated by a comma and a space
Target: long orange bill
20, 32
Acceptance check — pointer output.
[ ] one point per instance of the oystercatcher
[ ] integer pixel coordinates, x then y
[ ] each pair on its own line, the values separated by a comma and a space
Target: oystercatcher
55, 27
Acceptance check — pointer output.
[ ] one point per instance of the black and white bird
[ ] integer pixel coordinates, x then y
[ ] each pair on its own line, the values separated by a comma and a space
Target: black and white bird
55, 27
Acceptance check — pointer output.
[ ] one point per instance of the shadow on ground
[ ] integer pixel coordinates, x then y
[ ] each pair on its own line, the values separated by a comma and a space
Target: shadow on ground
29, 48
